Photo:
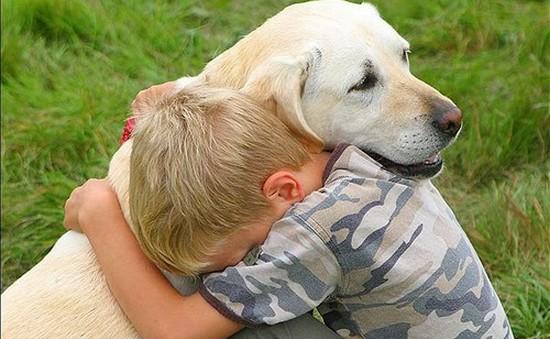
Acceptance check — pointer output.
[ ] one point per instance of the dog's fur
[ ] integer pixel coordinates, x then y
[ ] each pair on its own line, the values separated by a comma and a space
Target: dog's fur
331, 70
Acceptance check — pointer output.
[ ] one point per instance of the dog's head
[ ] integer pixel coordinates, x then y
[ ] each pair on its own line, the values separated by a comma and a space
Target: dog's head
337, 72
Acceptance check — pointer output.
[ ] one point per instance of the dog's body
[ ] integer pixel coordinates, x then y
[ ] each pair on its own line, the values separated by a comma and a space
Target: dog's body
333, 72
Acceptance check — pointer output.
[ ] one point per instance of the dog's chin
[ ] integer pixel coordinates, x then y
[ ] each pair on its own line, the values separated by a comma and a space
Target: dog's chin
429, 168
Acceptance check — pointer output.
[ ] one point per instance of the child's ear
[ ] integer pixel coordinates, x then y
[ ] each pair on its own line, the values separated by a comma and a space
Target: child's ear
283, 186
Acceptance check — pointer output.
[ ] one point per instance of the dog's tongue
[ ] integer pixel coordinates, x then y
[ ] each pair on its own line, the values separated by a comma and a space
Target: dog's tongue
128, 128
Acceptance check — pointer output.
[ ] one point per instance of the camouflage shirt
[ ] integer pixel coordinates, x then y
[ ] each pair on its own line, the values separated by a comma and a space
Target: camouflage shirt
381, 256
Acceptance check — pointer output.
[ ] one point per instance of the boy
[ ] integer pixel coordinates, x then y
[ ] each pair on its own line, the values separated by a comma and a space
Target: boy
382, 256
214, 125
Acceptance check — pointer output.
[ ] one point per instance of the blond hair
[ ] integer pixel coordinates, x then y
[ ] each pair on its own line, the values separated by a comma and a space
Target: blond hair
198, 164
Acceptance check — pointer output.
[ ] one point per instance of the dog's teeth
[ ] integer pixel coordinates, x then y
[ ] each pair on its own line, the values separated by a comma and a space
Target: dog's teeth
431, 159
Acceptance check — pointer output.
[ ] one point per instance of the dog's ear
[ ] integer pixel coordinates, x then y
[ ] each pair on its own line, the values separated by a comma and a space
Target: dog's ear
278, 84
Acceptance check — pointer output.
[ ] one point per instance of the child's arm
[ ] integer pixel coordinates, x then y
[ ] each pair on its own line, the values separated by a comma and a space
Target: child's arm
153, 306
296, 270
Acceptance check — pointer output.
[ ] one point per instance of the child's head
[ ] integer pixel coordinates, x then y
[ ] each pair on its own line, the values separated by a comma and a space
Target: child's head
199, 161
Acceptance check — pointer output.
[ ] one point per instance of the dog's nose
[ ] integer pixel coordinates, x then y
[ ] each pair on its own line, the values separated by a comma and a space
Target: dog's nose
448, 122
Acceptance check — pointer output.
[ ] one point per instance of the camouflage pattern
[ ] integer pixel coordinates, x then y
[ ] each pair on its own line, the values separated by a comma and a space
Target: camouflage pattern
382, 256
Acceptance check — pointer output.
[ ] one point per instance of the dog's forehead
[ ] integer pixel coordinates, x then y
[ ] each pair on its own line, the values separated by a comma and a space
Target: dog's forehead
372, 28
344, 25
348, 36
359, 41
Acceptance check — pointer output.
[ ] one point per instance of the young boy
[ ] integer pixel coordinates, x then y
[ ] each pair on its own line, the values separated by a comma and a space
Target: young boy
382, 256
183, 226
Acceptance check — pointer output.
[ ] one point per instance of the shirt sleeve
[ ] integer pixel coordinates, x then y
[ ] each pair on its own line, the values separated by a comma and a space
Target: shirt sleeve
295, 272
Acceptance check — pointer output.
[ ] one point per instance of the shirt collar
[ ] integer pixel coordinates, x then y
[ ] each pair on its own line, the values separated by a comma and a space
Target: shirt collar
349, 158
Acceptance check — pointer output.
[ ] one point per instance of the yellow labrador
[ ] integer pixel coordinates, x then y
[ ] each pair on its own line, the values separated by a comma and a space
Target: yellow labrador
334, 72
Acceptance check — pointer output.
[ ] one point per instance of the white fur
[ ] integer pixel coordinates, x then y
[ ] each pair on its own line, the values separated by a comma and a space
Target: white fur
301, 64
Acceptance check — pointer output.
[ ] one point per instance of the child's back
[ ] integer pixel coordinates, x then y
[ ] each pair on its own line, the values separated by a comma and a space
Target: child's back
384, 255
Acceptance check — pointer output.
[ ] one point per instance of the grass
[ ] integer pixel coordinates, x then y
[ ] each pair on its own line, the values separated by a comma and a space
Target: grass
70, 69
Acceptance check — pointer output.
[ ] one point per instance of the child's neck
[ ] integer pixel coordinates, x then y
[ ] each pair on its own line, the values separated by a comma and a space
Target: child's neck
311, 173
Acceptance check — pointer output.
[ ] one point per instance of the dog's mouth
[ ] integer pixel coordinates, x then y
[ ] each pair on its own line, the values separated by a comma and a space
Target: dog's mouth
426, 169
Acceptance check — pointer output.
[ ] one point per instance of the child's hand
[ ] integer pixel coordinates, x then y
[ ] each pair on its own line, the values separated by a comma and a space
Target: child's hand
92, 205
148, 96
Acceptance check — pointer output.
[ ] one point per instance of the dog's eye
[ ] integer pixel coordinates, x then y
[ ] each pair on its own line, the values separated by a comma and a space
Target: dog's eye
405, 55
368, 82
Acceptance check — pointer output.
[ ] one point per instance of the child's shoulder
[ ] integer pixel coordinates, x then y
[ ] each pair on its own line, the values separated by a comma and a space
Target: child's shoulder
348, 195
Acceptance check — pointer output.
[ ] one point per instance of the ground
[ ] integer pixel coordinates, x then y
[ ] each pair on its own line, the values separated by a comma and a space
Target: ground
71, 68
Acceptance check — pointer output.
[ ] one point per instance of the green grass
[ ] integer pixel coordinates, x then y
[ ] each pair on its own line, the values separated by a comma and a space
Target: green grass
70, 69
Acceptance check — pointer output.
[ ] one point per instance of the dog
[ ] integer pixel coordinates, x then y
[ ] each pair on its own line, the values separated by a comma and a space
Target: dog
332, 71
